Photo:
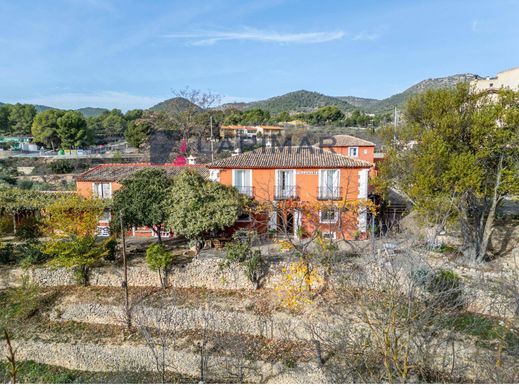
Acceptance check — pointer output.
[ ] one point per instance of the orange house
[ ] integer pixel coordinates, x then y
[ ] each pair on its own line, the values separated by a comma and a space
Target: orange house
103, 180
310, 185
350, 146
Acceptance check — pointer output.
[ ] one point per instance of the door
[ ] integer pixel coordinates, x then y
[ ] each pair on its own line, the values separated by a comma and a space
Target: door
286, 222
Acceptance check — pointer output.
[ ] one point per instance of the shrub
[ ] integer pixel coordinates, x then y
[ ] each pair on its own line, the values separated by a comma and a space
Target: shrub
240, 251
6, 254
446, 287
159, 259
111, 247
28, 229
6, 225
61, 167
21, 302
25, 184
30, 253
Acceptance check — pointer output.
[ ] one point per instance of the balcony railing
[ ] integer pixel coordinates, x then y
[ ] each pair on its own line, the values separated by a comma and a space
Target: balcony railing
329, 193
246, 190
285, 192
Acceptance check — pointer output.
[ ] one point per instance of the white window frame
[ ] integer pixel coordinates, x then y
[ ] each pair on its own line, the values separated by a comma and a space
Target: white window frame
234, 177
95, 191
276, 179
320, 180
353, 151
333, 235
329, 221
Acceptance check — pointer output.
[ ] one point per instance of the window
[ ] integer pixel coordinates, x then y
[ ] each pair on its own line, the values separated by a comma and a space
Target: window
214, 175
285, 184
329, 184
330, 215
353, 151
107, 216
103, 231
242, 181
244, 218
330, 235
102, 190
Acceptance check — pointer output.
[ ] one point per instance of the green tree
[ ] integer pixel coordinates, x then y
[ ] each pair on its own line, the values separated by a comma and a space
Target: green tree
4, 118
95, 126
159, 259
256, 116
20, 118
464, 161
114, 124
45, 128
72, 129
283, 116
71, 222
138, 133
325, 115
132, 115
198, 207
142, 199
80, 253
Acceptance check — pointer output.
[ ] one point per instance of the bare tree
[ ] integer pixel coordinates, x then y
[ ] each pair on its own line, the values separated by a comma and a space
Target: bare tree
159, 325
11, 359
189, 103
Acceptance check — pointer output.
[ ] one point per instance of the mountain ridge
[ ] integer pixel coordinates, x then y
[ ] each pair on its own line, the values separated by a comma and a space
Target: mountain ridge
298, 101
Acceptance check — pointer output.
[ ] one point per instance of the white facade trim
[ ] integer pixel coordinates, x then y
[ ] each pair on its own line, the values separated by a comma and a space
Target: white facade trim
363, 194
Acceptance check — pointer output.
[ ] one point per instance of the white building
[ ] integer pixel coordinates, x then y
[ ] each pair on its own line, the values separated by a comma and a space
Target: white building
505, 79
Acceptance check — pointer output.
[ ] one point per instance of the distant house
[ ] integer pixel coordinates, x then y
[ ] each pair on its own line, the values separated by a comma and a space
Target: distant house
505, 79
233, 131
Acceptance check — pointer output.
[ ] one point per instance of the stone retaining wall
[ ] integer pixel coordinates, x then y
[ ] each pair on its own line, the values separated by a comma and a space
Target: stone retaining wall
138, 357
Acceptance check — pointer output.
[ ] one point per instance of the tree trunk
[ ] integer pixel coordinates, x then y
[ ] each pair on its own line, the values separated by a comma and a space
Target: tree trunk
490, 220
157, 232
14, 224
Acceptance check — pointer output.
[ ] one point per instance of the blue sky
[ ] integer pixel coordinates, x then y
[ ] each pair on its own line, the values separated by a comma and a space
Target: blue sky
128, 54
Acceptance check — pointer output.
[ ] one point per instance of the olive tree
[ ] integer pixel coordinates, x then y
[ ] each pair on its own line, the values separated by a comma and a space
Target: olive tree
198, 207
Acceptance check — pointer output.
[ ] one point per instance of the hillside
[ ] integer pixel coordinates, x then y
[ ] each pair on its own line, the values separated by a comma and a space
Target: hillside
362, 103
174, 105
92, 111
305, 101
399, 99
299, 101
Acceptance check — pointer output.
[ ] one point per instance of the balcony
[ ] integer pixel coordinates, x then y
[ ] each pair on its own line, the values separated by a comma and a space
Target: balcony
329, 193
285, 192
246, 190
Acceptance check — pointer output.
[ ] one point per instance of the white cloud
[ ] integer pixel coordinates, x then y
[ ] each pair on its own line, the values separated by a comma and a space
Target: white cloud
212, 37
365, 36
104, 99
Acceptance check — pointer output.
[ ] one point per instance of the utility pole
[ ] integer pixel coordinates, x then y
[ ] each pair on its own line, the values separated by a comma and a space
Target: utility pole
125, 281
211, 140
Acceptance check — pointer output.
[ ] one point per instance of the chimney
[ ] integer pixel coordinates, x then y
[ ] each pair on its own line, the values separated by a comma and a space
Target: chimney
191, 160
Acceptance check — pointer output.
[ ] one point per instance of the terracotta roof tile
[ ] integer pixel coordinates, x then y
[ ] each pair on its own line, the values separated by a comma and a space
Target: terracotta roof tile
290, 157
119, 172
347, 140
